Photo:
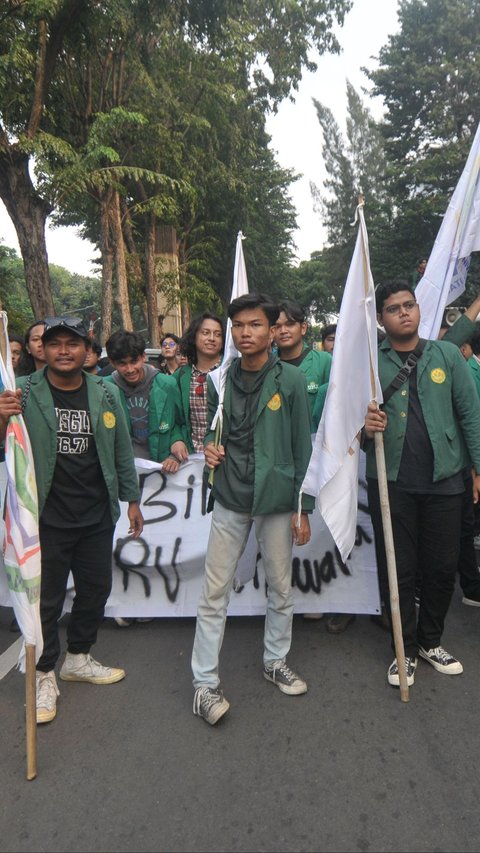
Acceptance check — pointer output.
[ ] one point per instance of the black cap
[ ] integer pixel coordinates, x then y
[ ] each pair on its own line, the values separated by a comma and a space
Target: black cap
70, 324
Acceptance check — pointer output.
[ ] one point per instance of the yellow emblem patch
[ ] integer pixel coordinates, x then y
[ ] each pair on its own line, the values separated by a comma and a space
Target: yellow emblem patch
275, 403
438, 375
109, 420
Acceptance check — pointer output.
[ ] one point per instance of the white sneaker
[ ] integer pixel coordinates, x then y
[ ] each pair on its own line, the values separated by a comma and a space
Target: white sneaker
313, 617
47, 692
441, 660
84, 668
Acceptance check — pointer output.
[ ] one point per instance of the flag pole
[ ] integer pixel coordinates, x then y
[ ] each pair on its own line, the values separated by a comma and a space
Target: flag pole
388, 534
30, 655
391, 566
31, 710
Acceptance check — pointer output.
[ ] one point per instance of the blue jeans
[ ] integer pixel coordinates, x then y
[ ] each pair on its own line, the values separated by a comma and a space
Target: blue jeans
228, 537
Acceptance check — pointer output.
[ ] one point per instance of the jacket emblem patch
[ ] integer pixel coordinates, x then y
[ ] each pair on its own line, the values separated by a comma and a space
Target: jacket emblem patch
275, 403
163, 426
438, 375
109, 420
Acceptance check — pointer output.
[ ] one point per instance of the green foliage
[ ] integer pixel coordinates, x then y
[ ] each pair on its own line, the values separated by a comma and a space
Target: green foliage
429, 77
13, 291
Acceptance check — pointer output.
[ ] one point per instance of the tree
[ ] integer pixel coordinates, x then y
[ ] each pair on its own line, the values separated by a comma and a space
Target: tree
429, 78
31, 38
355, 166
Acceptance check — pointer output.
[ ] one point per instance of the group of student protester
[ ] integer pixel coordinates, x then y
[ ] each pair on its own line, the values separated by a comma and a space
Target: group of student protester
87, 426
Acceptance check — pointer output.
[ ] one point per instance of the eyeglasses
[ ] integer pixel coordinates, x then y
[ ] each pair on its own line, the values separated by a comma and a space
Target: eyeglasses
201, 380
169, 344
73, 323
406, 306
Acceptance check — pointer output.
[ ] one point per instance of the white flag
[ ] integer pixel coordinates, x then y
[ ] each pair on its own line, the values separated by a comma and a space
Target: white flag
239, 288
459, 235
332, 475
21, 546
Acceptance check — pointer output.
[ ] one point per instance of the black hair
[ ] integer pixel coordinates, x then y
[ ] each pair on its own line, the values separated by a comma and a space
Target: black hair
169, 335
387, 289
32, 326
187, 342
292, 310
328, 330
123, 344
26, 364
92, 344
255, 300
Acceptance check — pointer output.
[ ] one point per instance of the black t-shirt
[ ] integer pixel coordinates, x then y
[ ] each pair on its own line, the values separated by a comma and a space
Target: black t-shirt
416, 465
78, 495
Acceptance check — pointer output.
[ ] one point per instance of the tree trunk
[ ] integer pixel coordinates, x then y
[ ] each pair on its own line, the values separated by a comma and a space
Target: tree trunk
153, 320
120, 264
28, 213
185, 307
166, 269
107, 266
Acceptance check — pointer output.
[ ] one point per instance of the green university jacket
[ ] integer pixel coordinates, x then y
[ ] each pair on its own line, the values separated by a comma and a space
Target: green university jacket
282, 441
165, 419
450, 406
110, 432
316, 369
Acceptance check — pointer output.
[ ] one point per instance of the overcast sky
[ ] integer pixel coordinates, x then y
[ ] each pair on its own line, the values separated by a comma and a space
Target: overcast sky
295, 131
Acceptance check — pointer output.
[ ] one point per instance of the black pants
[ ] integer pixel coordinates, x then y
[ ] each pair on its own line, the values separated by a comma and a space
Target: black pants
426, 535
87, 553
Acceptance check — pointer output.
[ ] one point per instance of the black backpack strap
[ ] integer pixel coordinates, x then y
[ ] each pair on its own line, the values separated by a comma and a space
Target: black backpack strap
26, 392
405, 371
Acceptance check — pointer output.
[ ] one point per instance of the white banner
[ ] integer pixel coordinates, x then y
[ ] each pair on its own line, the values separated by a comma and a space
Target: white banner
161, 573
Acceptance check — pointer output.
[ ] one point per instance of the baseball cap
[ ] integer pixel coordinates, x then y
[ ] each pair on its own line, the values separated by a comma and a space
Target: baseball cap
70, 324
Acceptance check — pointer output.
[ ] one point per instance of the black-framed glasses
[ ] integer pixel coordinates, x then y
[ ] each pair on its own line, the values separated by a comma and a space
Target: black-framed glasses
169, 344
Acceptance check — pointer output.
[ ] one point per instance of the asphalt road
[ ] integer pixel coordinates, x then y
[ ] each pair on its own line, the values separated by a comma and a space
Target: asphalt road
347, 767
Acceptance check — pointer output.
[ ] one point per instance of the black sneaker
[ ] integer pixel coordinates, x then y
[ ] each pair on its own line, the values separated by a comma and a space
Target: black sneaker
286, 680
210, 704
472, 602
441, 660
393, 677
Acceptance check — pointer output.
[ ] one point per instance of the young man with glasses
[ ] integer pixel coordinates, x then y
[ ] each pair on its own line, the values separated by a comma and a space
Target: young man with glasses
430, 423
168, 363
83, 466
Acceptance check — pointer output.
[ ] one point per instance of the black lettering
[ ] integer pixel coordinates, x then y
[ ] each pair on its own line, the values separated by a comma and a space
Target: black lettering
171, 592
150, 501
128, 568
191, 481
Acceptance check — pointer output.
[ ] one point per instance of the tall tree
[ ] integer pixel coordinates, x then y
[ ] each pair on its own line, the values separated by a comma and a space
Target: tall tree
355, 165
31, 38
429, 78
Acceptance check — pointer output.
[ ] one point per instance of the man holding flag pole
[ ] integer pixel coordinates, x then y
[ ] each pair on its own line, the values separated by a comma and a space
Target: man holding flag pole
431, 414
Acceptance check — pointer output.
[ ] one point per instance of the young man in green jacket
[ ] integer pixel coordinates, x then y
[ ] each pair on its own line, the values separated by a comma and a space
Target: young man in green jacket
259, 467
290, 331
83, 466
151, 401
430, 429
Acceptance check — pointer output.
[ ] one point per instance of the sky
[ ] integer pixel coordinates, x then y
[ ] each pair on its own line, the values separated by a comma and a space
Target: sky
295, 131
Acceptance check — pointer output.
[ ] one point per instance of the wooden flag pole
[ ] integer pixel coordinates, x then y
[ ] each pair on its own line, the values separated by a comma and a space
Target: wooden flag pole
30, 667
31, 710
391, 566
